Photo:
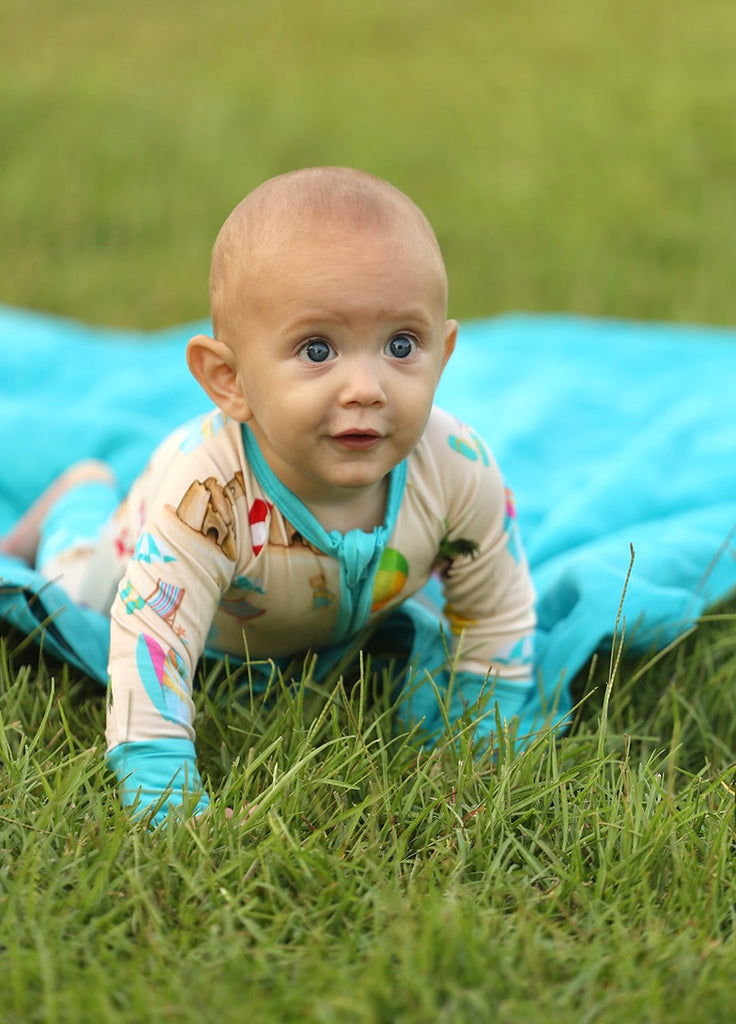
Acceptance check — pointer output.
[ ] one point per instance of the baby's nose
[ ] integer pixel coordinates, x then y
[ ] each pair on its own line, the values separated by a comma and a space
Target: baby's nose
363, 383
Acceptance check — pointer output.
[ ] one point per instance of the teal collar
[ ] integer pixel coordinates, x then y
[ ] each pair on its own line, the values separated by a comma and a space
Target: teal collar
357, 552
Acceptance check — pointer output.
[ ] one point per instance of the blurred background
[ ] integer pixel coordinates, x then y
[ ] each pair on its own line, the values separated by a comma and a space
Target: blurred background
575, 156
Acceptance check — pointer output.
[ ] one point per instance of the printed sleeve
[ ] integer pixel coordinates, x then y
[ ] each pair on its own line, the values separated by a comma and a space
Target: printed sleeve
489, 595
184, 559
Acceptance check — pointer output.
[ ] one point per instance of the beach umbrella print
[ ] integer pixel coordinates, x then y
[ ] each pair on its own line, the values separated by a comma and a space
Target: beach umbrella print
163, 673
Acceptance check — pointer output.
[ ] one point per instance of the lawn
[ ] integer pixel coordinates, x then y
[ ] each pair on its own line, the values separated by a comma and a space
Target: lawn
575, 157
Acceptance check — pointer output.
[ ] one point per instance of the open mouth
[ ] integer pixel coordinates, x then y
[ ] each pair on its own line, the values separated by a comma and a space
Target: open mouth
358, 439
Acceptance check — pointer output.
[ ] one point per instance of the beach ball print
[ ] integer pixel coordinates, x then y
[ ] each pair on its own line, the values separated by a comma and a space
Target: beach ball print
393, 570
162, 673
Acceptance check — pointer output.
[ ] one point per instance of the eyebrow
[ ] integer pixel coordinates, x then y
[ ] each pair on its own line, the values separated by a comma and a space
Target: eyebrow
316, 316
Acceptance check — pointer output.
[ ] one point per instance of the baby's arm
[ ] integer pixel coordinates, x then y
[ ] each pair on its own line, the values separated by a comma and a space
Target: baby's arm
150, 711
160, 618
490, 599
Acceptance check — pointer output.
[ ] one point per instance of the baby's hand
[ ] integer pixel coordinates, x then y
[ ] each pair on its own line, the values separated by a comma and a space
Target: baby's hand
205, 819
242, 815
238, 818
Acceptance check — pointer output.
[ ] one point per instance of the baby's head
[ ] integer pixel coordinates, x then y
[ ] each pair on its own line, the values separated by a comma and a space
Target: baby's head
329, 309
300, 213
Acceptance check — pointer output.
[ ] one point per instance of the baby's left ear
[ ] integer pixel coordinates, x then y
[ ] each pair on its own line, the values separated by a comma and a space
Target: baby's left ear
451, 328
213, 364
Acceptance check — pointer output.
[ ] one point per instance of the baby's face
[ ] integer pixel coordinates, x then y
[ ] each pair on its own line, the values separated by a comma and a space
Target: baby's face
340, 354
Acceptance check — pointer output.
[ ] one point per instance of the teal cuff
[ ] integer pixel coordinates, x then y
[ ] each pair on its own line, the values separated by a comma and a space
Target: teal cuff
483, 699
489, 699
158, 775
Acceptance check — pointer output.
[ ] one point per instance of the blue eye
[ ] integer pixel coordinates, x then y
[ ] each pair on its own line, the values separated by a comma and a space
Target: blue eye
317, 350
401, 346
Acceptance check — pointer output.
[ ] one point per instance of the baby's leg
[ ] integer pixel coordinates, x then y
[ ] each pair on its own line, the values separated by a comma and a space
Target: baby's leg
62, 531
74, 534
24, 538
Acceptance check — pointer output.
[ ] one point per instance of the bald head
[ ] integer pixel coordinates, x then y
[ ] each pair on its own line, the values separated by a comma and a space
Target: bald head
296, 207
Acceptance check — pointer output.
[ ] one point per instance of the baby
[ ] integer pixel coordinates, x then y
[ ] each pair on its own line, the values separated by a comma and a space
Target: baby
321, 494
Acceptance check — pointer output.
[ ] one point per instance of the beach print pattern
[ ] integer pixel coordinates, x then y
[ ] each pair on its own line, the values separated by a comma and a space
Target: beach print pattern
163, 675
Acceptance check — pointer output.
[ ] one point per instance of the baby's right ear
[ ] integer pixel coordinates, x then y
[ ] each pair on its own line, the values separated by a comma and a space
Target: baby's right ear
214, 365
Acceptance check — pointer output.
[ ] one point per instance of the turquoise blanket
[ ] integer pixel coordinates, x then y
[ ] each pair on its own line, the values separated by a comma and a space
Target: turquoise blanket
611, 434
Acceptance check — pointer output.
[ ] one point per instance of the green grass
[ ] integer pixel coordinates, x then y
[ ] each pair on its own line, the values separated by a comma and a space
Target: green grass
577, 156
589, 878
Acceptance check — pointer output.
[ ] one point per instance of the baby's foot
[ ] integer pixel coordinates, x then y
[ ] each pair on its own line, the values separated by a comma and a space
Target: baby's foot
22, 541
